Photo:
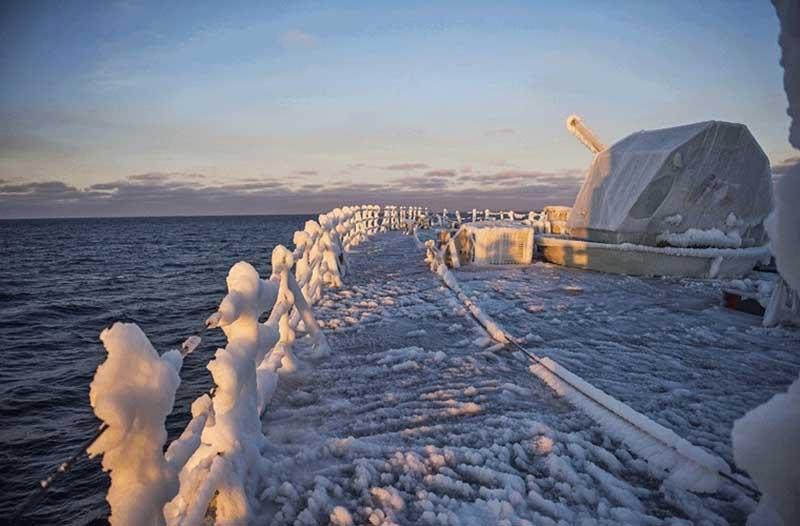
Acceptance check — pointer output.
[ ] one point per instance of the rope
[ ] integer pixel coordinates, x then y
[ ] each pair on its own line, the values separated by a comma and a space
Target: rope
45, 484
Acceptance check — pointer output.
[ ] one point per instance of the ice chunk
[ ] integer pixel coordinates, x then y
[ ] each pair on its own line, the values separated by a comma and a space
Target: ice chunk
783, 226
766, 442
341, 517
190, 344
694, 237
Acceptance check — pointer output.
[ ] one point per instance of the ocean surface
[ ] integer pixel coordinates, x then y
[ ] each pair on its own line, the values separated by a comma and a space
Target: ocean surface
62, 282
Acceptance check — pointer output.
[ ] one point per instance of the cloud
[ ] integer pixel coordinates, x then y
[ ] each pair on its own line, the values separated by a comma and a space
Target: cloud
357, 187
148, 177
138, 183
406, 166
42, 192
265, 185
306, 172
784, 166
296, 39
441, 173
161, 176
506, 177
420, 182
191, 194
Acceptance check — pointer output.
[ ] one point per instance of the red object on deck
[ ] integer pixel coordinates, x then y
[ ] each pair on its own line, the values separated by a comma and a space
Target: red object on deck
742, 302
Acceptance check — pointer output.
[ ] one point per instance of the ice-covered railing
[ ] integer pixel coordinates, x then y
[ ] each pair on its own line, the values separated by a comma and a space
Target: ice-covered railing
402, 217
541, 221
215, 467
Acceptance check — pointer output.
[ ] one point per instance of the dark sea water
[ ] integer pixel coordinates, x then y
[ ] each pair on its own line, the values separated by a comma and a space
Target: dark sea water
63, 281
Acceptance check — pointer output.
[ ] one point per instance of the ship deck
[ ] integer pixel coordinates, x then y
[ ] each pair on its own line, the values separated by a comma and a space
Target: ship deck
413, 419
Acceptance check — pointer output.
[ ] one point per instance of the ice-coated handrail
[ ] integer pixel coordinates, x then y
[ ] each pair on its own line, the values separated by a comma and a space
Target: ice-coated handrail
539, 220
218, 455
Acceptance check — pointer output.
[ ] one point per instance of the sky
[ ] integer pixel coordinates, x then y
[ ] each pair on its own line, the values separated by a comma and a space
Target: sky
139, 108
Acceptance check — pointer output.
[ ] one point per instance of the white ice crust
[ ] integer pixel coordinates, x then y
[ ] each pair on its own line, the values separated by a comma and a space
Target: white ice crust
766, 443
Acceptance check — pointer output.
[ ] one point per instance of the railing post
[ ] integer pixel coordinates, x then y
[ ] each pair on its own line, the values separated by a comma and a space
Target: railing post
133, 391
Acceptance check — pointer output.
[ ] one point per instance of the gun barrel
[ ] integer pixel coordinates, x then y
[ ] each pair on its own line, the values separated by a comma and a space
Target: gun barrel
584, 134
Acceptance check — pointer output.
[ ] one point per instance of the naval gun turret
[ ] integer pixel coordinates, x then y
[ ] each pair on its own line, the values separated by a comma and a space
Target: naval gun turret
684, 201
706, 184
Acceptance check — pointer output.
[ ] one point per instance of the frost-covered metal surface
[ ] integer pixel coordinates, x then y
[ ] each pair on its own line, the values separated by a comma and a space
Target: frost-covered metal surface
645, 260
497, 242
413, 419
704, 176
666, 347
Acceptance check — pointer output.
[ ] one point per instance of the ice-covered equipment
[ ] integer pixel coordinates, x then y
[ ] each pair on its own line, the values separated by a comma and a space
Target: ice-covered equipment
495, 243
556, 218
706, 184
686, 201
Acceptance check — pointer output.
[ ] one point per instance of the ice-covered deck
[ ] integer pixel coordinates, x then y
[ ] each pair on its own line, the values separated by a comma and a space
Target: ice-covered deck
412, 420
667, 347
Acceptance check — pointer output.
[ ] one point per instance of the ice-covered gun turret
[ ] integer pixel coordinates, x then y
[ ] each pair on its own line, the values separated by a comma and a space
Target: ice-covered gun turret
683, 201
